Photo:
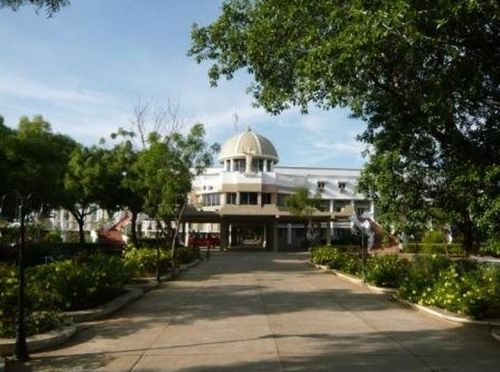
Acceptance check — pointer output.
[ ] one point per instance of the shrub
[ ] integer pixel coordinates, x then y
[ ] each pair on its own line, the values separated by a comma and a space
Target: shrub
433, 237
143, 260
326, 256
70, 285
386, 271
336, 259
36, 320
422, 273
184, 255
474, 293
491, 247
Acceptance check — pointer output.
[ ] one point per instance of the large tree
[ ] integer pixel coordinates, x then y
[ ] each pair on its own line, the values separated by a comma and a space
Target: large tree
84, 184
423, 74
166, 169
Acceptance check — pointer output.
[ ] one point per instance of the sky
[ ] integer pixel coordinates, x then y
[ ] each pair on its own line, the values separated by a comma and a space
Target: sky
87, 67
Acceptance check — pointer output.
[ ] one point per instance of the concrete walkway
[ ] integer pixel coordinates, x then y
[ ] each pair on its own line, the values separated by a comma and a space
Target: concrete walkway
270, 312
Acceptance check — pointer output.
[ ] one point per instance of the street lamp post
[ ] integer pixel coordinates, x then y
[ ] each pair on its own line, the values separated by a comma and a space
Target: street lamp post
21, 349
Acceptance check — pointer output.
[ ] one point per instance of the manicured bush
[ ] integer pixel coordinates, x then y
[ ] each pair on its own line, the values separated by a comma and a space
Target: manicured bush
336, 258
454, 249
386, 271
329, 256
36, 319
143, 260
71, 285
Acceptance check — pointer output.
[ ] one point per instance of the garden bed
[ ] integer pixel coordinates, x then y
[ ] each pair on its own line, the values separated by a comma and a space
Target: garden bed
458, 289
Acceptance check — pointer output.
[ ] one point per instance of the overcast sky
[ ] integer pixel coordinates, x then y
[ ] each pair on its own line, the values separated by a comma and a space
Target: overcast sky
87, 67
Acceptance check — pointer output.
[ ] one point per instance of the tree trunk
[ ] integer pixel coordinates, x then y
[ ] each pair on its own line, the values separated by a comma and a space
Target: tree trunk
135, 239
468, 235
81, 233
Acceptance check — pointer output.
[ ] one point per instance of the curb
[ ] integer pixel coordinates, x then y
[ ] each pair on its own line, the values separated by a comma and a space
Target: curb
437, 313
166, 277
355, 280
495, 332
108, 308
442, 314
40, 341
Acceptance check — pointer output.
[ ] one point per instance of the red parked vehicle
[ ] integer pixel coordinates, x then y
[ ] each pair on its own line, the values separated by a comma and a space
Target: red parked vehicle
204, 240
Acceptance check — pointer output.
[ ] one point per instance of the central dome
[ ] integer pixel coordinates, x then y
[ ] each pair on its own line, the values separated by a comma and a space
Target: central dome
248, 143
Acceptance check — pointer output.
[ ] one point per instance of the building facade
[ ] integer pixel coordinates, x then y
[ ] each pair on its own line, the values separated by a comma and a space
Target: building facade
244, 199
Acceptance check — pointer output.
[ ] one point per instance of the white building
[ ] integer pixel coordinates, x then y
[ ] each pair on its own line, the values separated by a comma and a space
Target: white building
244, 198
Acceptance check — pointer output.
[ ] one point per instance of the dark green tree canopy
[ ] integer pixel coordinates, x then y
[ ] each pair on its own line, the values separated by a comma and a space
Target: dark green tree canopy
426, 69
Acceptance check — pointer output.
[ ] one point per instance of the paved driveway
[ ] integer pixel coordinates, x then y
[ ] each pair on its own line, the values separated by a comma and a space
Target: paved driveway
270, 312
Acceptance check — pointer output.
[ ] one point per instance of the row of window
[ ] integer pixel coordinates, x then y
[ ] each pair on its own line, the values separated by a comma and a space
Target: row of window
322, 185
251, 198
258, 165
246, 198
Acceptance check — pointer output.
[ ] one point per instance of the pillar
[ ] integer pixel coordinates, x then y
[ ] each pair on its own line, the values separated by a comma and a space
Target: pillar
237, 198
223, 235
259, 198
231, 165
264, 242
372, 209
274, 228
186, 234
329, 233
230, 236
289, 233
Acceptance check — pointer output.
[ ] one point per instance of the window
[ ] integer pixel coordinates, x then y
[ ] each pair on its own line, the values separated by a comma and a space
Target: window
261, 165
324, 205
266, 198
342, 186
228, 165
360, 211
248, 198
321, 185
231, 198
210, 199
239, 165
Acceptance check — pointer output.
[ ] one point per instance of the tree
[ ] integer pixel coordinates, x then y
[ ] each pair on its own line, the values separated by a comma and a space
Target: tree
167, 168
35, 159
49, 6
423, 74
301, 204
84, 184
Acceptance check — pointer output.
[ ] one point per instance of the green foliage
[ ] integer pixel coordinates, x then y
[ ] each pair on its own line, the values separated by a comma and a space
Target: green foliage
71, 285
143, 260
184, 255
386, 271
432, 237
37, 319
465, 290
454, 249
336, 259
491, 247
